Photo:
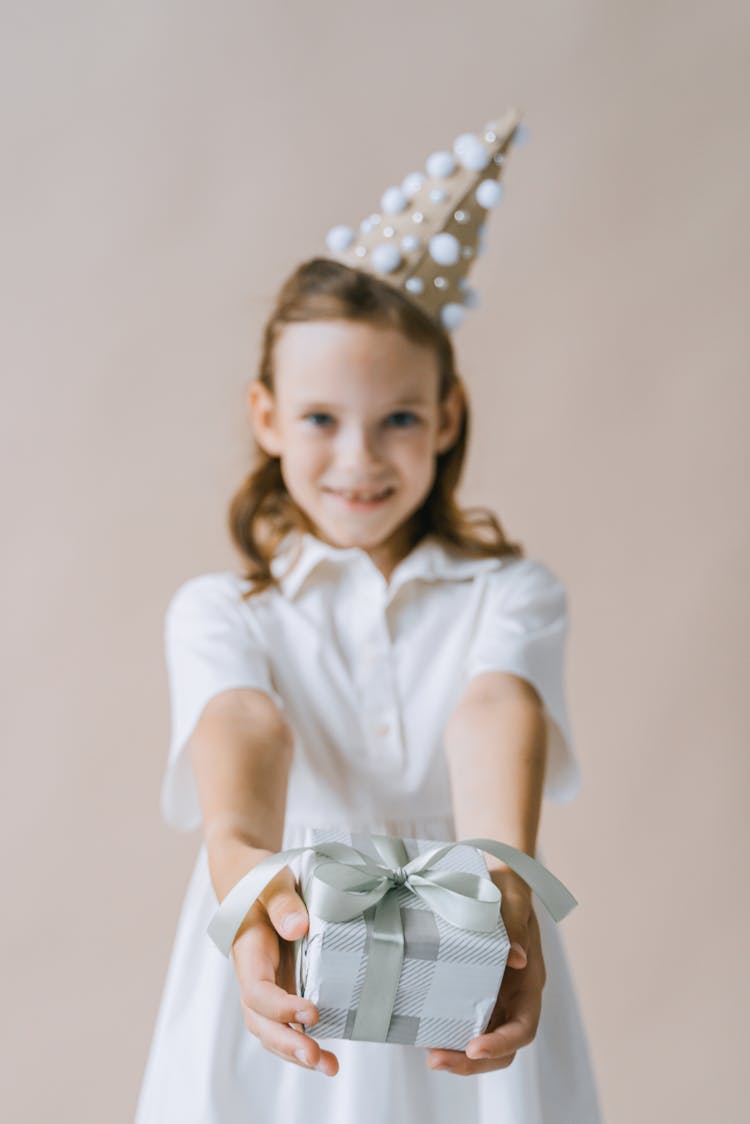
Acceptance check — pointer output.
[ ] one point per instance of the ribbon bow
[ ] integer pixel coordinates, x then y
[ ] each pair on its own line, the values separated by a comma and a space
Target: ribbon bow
344, 882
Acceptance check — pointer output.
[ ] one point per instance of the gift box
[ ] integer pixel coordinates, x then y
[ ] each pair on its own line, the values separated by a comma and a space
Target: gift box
449, 977
406, 942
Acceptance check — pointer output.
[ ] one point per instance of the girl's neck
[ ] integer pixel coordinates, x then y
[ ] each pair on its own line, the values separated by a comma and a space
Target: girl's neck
387, 555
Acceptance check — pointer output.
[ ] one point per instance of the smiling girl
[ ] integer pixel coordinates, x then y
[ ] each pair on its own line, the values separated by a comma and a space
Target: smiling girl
387, 662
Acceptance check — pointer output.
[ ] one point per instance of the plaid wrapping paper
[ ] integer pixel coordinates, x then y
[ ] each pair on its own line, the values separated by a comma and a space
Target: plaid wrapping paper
450, 977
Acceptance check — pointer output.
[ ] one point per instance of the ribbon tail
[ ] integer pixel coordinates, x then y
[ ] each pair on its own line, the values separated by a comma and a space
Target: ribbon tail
384, 961
554, 896
227, 919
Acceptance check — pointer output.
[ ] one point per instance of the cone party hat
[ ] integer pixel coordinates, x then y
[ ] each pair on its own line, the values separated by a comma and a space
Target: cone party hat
432, 226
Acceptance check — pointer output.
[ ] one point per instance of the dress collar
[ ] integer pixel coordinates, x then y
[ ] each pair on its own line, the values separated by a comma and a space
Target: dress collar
431, 559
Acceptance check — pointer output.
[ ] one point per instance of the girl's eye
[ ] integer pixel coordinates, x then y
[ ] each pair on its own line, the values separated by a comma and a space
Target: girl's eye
410, 418
404, 414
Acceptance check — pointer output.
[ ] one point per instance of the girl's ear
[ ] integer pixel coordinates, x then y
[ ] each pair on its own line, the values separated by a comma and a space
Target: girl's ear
262, 410
451, 414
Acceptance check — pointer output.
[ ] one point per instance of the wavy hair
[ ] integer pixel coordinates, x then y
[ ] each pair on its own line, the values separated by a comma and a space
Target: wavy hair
262, 513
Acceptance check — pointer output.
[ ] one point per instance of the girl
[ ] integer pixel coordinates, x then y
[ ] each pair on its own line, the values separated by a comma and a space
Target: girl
381, 666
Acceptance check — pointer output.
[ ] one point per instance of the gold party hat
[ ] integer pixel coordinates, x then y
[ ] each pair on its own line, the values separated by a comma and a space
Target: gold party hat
431, 227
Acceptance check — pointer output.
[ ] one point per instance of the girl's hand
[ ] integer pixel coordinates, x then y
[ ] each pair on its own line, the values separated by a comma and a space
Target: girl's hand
263, 958
516, 1015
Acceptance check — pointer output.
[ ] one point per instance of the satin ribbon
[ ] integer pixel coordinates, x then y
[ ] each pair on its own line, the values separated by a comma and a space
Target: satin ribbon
344, 882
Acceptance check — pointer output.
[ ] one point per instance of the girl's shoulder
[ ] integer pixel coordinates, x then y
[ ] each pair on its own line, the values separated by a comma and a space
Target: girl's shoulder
501, 571
528, 571
521, 581
218, 592
216, 583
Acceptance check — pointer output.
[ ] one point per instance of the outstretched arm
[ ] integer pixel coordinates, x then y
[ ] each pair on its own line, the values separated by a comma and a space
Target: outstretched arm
495, 743
241, 752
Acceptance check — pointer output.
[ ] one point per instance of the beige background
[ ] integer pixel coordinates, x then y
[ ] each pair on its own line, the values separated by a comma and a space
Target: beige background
165, 165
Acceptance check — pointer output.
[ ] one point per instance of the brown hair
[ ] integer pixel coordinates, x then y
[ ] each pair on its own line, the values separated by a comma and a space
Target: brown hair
262, 512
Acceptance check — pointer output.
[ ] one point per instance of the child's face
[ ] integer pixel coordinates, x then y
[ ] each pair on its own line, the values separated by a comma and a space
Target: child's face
356, 408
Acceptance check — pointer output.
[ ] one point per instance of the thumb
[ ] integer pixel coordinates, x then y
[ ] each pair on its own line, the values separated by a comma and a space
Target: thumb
516, 925
284, 906
517, 957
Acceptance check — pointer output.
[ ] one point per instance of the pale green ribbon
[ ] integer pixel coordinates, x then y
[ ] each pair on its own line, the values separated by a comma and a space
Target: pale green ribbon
345, 882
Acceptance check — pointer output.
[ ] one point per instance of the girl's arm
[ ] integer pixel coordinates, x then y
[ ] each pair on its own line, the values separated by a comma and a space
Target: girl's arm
496, 747
241, 750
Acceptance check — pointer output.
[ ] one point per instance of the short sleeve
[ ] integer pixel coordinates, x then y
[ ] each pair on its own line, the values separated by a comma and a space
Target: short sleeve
211, 645
523, 627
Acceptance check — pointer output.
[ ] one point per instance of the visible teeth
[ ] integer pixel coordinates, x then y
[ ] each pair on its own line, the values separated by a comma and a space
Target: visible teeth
364, 496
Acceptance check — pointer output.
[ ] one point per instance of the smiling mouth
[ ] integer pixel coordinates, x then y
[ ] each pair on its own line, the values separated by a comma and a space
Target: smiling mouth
360, 499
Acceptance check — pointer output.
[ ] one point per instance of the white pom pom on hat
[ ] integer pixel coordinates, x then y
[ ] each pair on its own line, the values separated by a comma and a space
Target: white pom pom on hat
393, 201
489, 193
452, 315
339, 238
445, 248
386, 257
474, 155
440, 165
411, 184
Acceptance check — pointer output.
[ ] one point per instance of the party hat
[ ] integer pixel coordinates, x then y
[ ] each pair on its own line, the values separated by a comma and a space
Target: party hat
432, 226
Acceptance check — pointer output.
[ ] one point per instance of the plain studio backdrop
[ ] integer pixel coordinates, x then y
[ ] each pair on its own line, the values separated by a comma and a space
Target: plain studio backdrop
164, 166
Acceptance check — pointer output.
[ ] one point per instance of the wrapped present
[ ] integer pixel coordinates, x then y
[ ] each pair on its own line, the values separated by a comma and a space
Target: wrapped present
448, 977
406, 941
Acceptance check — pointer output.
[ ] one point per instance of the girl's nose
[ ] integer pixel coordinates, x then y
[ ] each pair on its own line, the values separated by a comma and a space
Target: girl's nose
358, 447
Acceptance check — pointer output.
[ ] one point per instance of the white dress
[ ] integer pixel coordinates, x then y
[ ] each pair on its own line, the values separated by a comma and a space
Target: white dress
367, 671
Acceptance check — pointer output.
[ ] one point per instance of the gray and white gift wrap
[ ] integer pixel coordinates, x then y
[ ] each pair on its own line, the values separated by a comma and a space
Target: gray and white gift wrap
406, 941
450, 976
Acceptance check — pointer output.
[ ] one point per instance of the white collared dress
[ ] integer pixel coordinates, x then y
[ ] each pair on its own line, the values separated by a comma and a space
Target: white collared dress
367, 671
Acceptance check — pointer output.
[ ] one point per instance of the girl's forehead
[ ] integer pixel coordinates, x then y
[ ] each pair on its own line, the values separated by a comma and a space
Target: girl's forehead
331, 358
